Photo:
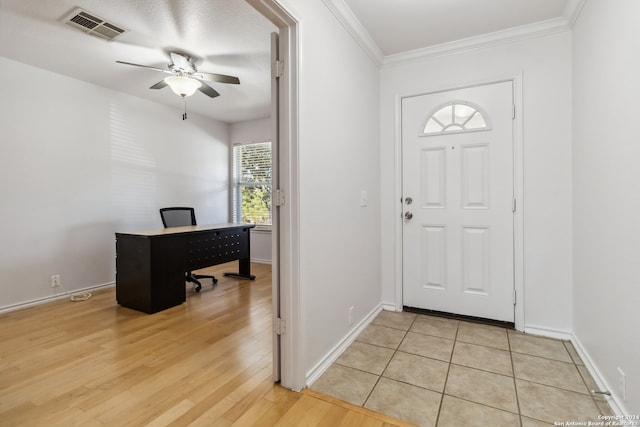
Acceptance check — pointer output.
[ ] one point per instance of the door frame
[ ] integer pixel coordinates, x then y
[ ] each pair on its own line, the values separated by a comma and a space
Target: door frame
518, 184
285, 258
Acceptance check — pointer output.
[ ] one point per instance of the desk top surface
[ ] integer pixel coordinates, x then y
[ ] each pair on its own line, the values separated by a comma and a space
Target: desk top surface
187, 229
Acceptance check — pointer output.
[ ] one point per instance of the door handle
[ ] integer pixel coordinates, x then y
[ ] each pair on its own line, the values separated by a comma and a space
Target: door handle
408, 215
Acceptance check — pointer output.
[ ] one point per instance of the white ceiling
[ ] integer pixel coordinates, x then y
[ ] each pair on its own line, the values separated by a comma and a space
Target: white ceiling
398, 26
228, 36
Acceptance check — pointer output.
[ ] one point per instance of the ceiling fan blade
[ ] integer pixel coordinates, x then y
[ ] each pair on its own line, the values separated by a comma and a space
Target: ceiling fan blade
220, 78
159, 85
208, 90
145, 66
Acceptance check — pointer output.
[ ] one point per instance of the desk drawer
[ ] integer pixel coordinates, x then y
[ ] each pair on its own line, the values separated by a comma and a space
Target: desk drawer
217, 247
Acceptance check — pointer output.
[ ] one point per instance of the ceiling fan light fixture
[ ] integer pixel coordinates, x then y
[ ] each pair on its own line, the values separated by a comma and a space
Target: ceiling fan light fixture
182, 85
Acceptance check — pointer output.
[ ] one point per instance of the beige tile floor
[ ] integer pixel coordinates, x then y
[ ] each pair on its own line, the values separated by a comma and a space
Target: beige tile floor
432, 371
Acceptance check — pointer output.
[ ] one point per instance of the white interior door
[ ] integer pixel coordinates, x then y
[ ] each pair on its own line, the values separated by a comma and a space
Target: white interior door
458, 189
275, 216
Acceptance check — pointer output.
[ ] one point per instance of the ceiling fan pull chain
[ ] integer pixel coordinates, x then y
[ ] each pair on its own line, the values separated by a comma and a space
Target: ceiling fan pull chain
184, 115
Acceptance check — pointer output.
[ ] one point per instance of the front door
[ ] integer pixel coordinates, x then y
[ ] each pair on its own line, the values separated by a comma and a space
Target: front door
458, 189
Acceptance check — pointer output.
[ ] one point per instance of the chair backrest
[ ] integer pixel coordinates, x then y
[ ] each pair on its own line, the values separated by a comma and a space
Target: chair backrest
178, 216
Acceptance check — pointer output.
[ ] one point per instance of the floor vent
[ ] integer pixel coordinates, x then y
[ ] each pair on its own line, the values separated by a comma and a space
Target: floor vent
93, 25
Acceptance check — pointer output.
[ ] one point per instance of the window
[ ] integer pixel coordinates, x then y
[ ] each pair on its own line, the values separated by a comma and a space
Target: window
455, 117
252, 183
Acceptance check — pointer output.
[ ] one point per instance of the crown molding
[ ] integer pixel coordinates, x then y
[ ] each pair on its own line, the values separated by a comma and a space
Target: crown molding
350, 22
572, 11
523, 32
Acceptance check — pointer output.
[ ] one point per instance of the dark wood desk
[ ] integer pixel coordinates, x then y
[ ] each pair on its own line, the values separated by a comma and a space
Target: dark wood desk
151, 265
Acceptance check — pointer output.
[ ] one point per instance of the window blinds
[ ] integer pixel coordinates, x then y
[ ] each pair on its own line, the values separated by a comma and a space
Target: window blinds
252, 183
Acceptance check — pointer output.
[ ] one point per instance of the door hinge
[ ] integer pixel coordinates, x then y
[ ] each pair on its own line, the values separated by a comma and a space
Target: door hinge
277, 69
278, 197
513, 112
279, 326
514, 297
513, 205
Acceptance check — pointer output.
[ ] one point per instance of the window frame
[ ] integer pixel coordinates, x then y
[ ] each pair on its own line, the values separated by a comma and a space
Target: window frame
235, 205
477, 108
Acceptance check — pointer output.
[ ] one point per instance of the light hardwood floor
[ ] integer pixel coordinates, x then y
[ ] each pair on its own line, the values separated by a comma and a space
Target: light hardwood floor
207, 362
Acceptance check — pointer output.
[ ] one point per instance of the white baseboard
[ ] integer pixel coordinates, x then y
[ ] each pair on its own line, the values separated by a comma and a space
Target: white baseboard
387, 306
314, 373
542, 331
39, 301
261, 261
616, 406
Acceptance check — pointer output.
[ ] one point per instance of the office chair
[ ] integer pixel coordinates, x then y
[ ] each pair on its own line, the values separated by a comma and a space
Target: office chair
178, 217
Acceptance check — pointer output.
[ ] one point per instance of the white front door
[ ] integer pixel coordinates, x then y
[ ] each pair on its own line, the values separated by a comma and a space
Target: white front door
457, 154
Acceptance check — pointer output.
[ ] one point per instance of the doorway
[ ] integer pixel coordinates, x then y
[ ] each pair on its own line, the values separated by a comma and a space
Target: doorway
288, 367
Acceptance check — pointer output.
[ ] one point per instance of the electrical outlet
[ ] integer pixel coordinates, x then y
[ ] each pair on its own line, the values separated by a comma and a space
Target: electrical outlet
55, 281
622, 384
350, 315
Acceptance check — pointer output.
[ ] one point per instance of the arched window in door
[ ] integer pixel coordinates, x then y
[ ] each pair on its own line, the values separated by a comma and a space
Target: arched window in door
456, 117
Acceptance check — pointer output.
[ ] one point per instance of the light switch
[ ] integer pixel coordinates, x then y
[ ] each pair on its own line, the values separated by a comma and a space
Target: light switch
363, 198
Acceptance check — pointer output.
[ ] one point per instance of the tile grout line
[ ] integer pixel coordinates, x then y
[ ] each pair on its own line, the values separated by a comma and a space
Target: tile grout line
584, 380
515, 385
446, 380
395, 351
481, 370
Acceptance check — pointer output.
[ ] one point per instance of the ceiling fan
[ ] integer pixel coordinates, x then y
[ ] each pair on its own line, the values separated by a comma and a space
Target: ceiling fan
186, 78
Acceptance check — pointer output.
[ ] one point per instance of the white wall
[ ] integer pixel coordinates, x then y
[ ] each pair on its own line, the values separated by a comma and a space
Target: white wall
251, 131
242, 133
545, 64
79, 162
606, 202
338, 157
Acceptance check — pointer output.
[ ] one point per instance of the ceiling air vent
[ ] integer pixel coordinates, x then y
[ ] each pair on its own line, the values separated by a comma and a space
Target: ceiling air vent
91, 24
